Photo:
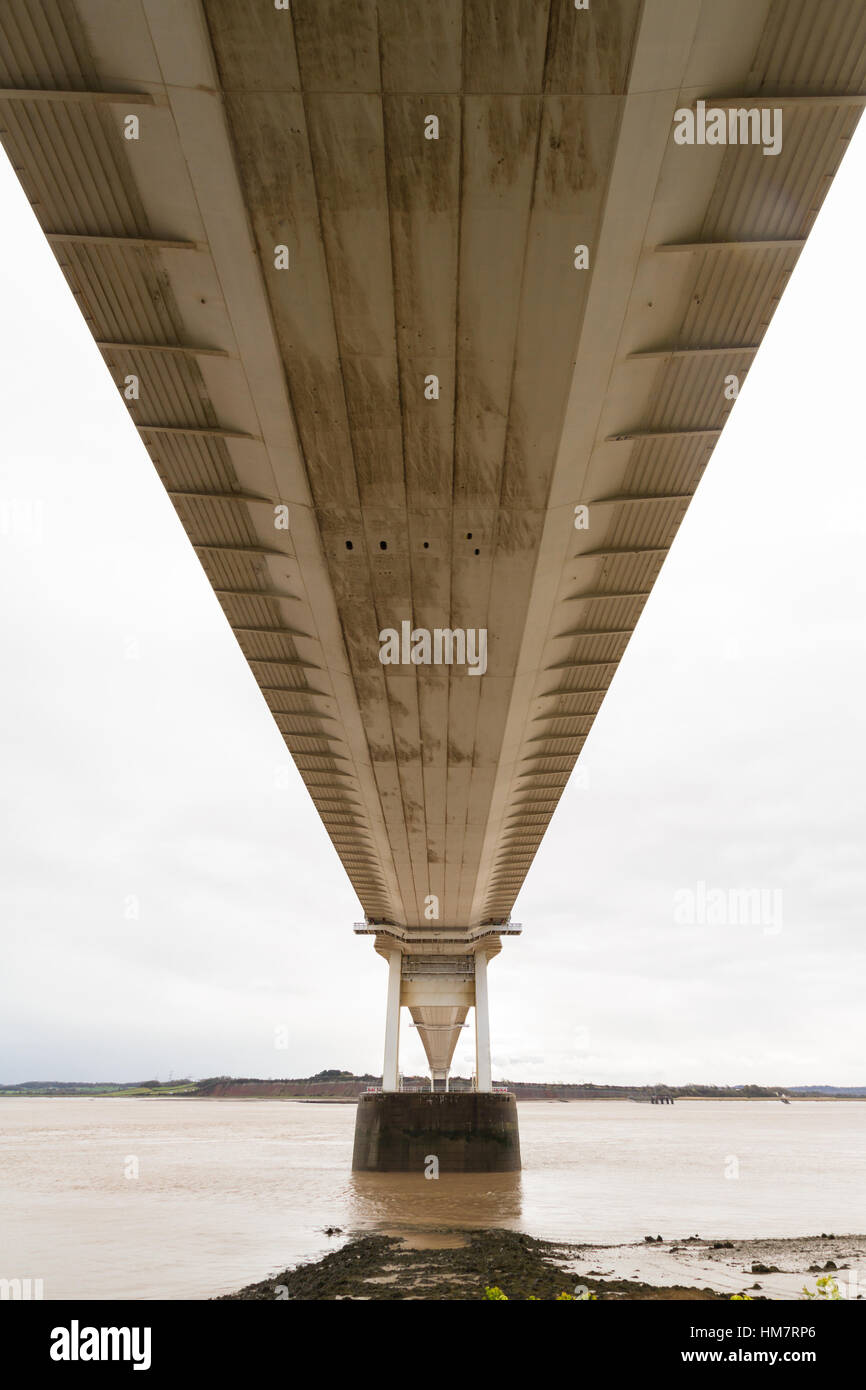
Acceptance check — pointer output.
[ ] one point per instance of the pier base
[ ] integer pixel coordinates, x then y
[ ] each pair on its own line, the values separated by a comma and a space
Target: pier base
467, 1131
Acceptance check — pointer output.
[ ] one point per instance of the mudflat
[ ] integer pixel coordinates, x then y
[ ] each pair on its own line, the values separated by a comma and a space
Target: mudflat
389, 1267
459, 1265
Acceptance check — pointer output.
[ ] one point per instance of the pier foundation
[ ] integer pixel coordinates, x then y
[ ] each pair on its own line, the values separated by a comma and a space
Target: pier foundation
467, 1131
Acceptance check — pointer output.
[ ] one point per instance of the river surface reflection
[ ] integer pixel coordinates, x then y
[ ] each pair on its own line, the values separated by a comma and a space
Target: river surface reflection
397, 1203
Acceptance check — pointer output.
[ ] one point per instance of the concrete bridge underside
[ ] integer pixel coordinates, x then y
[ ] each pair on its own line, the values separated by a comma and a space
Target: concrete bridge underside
282, 256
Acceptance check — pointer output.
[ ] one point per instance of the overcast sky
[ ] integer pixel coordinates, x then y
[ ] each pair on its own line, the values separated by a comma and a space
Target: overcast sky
169, 897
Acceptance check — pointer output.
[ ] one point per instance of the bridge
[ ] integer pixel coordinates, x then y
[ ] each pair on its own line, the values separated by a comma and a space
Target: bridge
430, 314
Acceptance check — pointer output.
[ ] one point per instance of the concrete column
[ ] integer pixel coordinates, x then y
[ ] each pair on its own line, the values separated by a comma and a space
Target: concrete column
439, 1080
483, 1072
390, 1071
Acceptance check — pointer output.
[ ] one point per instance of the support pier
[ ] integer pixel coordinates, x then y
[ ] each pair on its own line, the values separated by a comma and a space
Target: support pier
439, 975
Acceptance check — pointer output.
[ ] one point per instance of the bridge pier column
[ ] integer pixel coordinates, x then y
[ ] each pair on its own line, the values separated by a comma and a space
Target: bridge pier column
440, 1080
391, 1066
483, 1070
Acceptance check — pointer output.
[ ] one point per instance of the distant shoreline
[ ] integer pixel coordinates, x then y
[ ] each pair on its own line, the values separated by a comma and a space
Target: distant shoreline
284, 1092
334, 1085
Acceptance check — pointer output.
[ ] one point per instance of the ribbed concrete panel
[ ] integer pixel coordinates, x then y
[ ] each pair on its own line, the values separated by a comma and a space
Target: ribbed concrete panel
412, 258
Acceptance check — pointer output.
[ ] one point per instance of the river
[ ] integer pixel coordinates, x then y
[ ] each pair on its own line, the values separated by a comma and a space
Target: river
114, 1198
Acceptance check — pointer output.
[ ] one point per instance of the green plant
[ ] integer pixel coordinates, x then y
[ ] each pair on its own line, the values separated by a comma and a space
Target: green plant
825, 1288
493, 1292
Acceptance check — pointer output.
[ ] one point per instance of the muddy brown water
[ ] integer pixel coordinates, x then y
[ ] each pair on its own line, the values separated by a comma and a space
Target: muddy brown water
186, 1199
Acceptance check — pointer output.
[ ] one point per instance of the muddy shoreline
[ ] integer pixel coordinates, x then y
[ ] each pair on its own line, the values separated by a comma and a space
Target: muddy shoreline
385, 1267
458, 1266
